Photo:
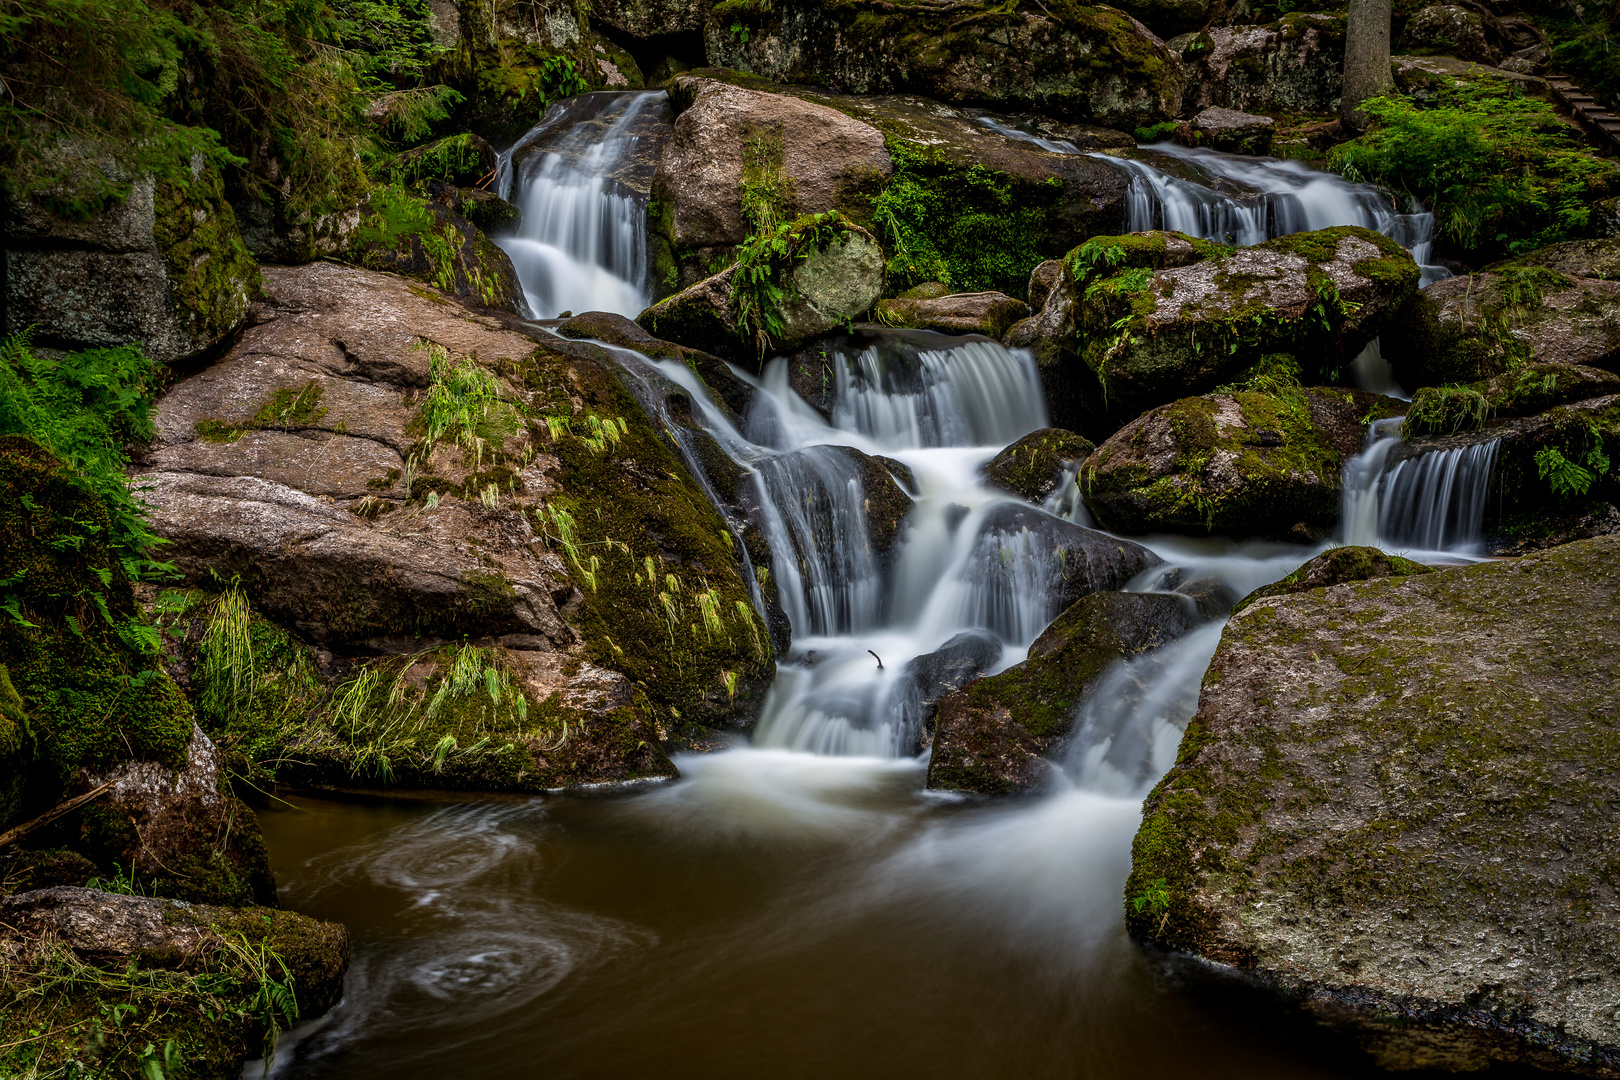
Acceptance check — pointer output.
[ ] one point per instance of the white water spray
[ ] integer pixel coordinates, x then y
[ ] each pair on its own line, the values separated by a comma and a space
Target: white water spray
1431, 504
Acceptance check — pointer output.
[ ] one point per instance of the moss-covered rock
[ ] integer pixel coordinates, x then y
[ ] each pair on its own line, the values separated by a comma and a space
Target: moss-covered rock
1152, 334
1477, 326
463, 160
513, 58
431, 241
91, 707
987, 313
194, 987
1393, 805
1035, 465
1066, 60
1243, 463
166, 267
1452, 31
1232, 131
993, 736
1335, 567
1294, 65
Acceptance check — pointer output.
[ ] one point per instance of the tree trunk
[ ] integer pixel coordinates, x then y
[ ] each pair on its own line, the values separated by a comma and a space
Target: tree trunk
1366, 59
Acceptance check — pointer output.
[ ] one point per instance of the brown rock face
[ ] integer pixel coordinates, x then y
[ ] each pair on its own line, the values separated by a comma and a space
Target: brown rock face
818, 158
1395, 802
987, 313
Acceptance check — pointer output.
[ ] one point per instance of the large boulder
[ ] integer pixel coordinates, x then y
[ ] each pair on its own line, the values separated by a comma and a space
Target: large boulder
960, 202
1035, 465
162, 944
165, 267
1335, 567
1454, 31
430, 240
1244, 463
1294, 65
994, 735
441, 476
1395, 805
1153, 336
822, 273
987, 313
1087, 63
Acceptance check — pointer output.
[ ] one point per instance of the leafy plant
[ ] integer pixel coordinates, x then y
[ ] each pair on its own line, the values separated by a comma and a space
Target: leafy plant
1571, 470
1502, 172
759, 284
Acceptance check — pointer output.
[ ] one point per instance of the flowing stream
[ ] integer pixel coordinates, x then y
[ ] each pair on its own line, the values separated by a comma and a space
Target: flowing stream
802, 906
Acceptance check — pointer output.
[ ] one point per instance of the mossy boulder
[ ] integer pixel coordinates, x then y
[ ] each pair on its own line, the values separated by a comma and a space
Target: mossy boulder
166, 267
1335, 567
182, 972
1150, 335
89, 708
987, 313
1239, 463
1394, 806
1034, 466
513, 58
1453, 31
430, 240
994, 735
1476, 326
1065, 60
1294, 65
464, 160
448, 477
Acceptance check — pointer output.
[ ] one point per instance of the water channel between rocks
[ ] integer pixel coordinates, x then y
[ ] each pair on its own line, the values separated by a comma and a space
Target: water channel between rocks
801, 906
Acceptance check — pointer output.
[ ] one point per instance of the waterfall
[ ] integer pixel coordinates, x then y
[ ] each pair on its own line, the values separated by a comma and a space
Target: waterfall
579, 178
1432, 502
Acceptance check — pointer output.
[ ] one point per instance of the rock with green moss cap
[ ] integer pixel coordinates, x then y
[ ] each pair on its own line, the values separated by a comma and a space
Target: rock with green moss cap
1239, 463
987, 313
1394, 805
1066, 60
430, 240
166, 268
994, 736
1335, 567
1035, 465
1476, 326
463, 160
190, 972
1152, 335
1294, 65
449, 477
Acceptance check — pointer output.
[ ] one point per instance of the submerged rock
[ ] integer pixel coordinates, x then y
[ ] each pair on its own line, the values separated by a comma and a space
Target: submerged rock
1244, 463
1395, 806
987, 313
1035, 465
994, 736
1475, 326
1081, 63
165, 267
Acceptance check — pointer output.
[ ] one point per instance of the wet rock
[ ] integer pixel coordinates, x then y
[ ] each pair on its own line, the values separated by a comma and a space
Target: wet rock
1336, 566
995, 736
1454, 31
1232, 131
987, 313
1091, 64
1243, 463
1042, 280
486, 210
728, 390
884, 485
1022, 551
813, 375
959, 661
299, 465
1295, 64
1476, 326
1182, 330
165, 267
1394, 804
1035, 465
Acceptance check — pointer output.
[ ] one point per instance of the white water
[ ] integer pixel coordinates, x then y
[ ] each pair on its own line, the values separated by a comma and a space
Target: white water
1431, 505
582, 242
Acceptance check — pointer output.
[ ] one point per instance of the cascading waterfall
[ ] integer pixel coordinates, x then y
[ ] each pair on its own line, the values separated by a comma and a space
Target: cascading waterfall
1432, 502
582, 242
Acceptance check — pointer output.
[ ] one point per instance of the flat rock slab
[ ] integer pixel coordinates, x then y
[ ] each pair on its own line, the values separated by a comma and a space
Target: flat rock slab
1396, 803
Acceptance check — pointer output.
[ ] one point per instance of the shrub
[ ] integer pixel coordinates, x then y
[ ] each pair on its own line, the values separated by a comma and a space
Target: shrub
1502, 172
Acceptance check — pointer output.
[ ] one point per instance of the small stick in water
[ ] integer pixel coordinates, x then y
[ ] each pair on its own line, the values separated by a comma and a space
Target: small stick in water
878, 658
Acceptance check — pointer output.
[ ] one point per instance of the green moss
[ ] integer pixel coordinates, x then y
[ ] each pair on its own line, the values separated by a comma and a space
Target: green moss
1335, 567
211, 274
1445, 410
765, 189
287, 409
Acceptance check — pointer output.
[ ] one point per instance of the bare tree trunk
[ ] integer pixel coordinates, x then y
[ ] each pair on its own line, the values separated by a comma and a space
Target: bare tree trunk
1366, 59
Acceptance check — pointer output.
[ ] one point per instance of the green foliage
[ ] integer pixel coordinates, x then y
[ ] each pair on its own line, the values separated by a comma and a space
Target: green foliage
1155, 132
1446, 410
766, 190
1502, 172
971, 228
760, 284
1571, 469
463, 406
85, 408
